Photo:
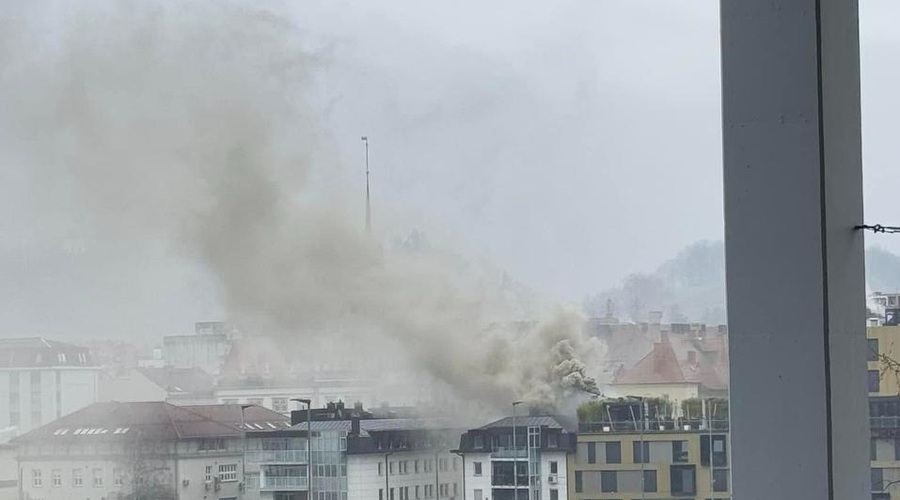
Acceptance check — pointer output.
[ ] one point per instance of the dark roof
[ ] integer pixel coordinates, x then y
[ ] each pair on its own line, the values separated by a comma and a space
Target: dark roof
549, 421
379, 425
116, 420
180, 380
255, 418
31, 352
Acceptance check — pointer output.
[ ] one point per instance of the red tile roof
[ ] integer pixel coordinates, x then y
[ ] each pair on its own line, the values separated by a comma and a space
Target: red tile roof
659, 366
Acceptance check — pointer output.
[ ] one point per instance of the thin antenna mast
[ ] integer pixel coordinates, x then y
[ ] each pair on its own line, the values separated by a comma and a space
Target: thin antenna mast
365, 140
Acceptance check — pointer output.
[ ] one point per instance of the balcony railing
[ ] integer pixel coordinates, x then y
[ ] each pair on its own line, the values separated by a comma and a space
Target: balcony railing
509, 452
503, 480
277, 456
650, 426
283, 483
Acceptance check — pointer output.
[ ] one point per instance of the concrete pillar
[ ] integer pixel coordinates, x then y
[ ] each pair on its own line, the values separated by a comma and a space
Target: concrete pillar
796, 294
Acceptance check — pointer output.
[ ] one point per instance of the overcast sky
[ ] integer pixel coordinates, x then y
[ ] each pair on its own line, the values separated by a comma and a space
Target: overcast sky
572, 141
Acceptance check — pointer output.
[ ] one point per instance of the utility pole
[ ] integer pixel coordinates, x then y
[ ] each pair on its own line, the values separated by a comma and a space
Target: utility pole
515, 450
365, 140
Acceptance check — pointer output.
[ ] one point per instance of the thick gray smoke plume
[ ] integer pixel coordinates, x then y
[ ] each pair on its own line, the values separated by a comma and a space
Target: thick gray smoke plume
189, 123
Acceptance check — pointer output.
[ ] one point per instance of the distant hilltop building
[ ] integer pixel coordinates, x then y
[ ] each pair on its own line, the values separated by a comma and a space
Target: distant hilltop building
42, 380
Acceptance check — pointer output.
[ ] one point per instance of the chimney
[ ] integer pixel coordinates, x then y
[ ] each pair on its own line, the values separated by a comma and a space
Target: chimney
354, 426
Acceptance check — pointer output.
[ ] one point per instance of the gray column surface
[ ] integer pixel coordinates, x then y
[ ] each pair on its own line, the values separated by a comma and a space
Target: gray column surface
796, 293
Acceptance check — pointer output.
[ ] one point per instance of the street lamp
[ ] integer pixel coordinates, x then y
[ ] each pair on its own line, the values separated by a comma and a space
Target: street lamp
309, 465
244, 447
463, 456
387, 475
515, 449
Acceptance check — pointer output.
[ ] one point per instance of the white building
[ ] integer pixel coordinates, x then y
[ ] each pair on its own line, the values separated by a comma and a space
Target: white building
42, 380
98, 452
356, 457
540, 457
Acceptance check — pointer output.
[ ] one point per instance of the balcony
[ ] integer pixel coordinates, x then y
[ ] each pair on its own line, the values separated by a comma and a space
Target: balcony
509, 452
283, 483
292, 457
651, 426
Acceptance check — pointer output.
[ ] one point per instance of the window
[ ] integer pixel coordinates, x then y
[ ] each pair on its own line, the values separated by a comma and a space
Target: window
650, 481
613, 453
478, 441
98, 478
720, 479
479, 495
592, 453
14, 414
554, 467
36, 480
554, 494
119, 478
455, 463
680, 452
579, 484
873, 349
683, 479
874, 381
477, 468
392, 494
719, 455
608, 482
641, 452
417, 490
280, 405
877, 479
77, 478
380, 469
416, 466
380, 493
552, 440
391, 468
209, 473
228, 472
56, 478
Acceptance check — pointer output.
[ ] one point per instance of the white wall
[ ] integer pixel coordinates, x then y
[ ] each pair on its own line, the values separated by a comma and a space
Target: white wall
78, 388
363, 481
483, 482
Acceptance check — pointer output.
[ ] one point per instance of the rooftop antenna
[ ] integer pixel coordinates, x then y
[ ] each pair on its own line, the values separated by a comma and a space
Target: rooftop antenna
365, 140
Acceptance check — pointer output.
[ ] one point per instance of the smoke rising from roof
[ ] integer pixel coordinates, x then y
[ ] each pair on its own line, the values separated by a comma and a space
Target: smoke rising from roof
190, 124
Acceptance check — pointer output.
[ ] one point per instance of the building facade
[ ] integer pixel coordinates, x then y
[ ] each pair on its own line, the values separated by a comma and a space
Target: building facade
650, 458
884, 409
355, 456
528, 464
42, 380
139, 450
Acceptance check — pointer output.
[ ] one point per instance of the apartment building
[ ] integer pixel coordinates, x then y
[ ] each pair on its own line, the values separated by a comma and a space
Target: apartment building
524, 458
884, 410
636, 453
42, 380
355, 456
140, 450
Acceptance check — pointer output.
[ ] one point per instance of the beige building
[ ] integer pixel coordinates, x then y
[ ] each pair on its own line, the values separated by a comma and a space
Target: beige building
650, 458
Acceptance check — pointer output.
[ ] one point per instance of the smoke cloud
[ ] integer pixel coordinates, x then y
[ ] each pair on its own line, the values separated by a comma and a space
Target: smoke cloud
190, 124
